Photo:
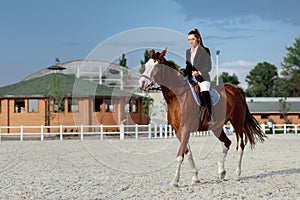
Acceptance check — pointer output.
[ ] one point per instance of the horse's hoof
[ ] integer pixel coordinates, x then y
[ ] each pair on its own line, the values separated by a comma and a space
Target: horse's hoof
195, 179
238, 172
222, 174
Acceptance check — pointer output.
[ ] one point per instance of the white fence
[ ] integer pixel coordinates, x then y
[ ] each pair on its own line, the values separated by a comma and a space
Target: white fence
101, 131
281, 128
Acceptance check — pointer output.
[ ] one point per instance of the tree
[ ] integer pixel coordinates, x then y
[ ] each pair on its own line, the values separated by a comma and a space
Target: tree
225, 77
143, 62
55, 98
284, 109
291, 68
122, 60
261, 80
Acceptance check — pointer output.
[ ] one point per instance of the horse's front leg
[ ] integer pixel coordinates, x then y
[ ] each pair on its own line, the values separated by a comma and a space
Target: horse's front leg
182, 149
179, 161
190, 158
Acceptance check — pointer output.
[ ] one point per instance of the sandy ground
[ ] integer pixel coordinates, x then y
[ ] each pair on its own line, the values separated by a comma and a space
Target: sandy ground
143, 169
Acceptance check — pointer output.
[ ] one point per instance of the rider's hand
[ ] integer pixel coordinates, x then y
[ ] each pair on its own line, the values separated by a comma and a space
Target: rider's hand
196, 73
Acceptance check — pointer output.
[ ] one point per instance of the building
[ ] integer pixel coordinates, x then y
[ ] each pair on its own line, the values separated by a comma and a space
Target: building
269, 108
82, 102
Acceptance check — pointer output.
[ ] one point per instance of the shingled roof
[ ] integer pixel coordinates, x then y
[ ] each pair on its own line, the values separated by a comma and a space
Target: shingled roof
70, 86
272, 104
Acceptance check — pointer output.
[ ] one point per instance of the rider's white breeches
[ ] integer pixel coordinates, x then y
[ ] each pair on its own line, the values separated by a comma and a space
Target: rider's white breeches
204, 86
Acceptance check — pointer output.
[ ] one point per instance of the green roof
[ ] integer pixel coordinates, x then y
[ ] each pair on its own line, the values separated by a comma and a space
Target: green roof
69, 86
272, 107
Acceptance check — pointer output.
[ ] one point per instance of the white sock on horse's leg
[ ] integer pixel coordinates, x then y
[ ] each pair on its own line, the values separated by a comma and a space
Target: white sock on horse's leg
221, 163
190, 158
240, 156
177, 172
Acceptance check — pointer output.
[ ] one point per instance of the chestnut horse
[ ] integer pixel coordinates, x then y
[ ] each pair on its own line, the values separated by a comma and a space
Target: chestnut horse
184, 115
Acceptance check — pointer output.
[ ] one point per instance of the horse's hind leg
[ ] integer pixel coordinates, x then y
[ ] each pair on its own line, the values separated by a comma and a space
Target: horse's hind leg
190, 158
226, 145
240, 149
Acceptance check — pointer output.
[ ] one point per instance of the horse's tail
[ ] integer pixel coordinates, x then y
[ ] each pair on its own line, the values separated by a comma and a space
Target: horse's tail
252, 130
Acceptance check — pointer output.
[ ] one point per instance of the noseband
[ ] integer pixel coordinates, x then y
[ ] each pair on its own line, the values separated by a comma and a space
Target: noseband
150, 79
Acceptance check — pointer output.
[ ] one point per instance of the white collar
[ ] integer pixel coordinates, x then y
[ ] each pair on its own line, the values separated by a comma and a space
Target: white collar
194, 49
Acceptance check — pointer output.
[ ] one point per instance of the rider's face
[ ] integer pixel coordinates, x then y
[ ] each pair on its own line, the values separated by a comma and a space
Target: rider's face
192, 40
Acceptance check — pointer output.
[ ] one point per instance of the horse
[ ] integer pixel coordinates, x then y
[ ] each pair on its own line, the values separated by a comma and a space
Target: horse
184, 116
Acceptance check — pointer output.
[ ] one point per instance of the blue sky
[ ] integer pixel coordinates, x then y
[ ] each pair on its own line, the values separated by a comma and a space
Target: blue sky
33, 32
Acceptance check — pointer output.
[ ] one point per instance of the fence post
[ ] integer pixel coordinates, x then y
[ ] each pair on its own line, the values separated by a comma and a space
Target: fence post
160, 130
284, 128
81, 132
170, 130
121, 131
101, 131
155, 130
296, 131
273, 128
136, 131
166, 131
21, 130
60, 133
149, 131
42, 133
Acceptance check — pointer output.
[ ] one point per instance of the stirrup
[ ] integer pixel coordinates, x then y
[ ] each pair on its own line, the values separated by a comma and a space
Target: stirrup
211, 120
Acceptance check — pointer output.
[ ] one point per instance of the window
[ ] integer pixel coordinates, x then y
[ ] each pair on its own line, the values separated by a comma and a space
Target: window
109, 106
264, 116
33, 105
59, 106
98, 105
132, 106
72, 105
19, 105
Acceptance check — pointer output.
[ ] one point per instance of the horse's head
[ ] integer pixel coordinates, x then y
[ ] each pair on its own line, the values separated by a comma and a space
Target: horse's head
153, 70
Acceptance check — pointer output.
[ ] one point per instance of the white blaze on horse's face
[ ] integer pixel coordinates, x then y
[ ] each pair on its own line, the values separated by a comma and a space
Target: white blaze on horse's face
146, 80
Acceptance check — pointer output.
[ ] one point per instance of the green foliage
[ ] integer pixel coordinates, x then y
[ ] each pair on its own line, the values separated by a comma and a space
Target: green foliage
291, 69
143, 62
55, 97
261, 80
123, 60
284, 109
147, 103
225, 77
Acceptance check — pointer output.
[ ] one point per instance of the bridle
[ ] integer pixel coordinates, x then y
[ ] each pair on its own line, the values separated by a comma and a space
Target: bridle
148, 78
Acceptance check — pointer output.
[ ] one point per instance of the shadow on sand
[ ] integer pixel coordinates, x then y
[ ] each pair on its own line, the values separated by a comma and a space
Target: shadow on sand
272, 173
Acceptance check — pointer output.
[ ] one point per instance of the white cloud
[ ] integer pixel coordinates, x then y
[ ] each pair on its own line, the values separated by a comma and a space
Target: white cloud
238, 67
238, 63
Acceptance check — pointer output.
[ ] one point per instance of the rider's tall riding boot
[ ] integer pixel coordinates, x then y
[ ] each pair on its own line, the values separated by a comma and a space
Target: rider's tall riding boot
207, 100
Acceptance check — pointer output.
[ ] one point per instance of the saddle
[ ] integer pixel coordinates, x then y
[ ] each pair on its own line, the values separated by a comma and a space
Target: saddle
215, 97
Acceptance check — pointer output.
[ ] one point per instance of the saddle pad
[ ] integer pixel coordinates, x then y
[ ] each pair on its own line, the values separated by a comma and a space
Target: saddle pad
214, 95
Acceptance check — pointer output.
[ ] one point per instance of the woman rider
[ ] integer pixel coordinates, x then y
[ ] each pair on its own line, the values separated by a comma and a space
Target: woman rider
198, 64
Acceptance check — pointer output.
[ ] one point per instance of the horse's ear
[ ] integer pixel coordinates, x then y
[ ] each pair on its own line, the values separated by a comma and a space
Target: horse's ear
152, 53
163, 53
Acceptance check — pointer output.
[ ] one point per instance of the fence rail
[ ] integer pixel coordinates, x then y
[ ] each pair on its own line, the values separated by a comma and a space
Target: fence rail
124, 131
281, 128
